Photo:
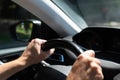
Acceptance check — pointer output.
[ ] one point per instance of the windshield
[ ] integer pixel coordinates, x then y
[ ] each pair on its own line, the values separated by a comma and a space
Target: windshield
102, 13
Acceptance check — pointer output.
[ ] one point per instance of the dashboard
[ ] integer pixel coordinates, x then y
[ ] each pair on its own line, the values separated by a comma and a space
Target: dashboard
104, 41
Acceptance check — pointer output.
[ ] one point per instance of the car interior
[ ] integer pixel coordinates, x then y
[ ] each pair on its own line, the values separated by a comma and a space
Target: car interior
70, 32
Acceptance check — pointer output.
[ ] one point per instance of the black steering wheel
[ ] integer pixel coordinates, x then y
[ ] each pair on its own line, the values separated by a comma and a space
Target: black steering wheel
60, 43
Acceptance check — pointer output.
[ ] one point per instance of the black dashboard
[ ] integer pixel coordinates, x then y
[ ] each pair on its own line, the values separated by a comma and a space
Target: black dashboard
105, 41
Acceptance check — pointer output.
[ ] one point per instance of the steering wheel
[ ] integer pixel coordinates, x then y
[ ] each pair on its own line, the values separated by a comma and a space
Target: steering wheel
76, 49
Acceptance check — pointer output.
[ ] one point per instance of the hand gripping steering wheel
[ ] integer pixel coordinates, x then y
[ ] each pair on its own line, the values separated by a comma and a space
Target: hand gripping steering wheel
60, 43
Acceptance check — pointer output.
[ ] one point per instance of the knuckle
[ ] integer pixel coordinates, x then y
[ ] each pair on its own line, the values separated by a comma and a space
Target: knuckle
81, 56
94, 66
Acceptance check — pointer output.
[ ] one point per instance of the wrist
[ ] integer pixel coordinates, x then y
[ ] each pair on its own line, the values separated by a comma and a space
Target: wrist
26, 58
23, 62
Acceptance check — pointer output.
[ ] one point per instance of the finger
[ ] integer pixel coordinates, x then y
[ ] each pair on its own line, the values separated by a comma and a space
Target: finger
95, 72
97, 61
99, 77
86, 54
84, 61
39, 41
50, 52
90, 53
99, 74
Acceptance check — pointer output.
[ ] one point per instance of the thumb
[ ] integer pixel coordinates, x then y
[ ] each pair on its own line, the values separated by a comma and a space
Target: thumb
90, 53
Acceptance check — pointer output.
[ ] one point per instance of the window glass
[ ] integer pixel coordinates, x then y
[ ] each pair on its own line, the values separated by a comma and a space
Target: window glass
72, 10
104, 13
10, 13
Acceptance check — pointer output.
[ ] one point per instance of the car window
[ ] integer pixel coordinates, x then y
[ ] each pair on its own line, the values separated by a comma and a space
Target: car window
71, 9
10, 13
104, 13
94, 12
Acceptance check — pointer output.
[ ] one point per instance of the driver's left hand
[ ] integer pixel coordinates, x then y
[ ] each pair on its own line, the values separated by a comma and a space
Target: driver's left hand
33, 53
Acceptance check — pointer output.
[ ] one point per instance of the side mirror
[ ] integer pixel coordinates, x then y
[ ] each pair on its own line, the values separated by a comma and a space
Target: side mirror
22, 31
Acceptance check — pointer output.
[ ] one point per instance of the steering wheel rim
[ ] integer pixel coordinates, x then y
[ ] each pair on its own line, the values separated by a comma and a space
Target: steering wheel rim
60, 43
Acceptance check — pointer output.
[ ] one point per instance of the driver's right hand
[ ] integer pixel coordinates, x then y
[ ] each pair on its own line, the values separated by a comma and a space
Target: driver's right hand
86, 67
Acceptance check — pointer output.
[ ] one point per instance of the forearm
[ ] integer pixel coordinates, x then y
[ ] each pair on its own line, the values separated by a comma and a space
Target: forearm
32, 55
10, 68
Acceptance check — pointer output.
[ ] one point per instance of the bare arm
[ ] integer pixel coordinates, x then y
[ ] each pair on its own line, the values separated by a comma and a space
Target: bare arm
32, 55
10, 68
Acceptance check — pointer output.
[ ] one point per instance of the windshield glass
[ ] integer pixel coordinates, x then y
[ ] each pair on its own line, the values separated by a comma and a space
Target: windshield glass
95, 12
